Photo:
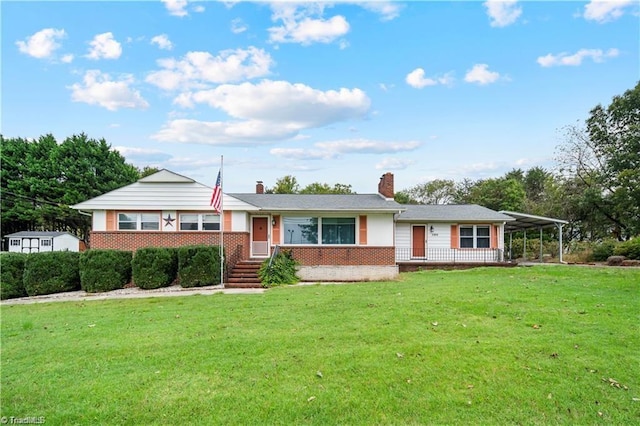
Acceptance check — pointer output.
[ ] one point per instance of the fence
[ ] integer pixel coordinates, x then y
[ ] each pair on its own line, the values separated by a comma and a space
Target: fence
450, 255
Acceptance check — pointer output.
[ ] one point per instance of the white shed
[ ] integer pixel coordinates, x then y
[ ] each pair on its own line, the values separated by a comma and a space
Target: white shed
41, 241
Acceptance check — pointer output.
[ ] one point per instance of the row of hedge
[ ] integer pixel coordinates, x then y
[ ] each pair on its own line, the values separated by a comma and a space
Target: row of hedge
97, 271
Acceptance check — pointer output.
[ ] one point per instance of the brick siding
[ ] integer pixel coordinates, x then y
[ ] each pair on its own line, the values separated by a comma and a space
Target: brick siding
343, 256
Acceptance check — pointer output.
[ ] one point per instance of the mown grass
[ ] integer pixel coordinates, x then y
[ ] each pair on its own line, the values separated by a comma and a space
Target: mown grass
484, 346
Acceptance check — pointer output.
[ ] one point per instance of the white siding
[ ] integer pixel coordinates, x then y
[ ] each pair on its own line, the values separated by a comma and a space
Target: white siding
403, 235
239, 222
440, 238
99, 220
379, 230
66, 242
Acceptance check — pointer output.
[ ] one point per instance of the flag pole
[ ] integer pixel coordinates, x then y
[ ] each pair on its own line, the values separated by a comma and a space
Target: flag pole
221, 220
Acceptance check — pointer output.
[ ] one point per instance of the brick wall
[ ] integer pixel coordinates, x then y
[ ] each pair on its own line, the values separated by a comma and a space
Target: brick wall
236, 244
313, 256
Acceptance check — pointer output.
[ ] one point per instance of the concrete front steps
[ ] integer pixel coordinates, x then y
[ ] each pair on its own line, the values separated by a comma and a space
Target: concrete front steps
245, 275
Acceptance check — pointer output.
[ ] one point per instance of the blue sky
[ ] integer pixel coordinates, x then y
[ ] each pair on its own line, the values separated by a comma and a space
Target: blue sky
336, 92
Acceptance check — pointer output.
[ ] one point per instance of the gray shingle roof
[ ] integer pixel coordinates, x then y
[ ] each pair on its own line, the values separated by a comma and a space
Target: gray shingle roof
451, 213
319, 202
37, 234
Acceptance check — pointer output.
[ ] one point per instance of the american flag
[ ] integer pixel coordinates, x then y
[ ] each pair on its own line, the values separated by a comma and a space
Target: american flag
216, 197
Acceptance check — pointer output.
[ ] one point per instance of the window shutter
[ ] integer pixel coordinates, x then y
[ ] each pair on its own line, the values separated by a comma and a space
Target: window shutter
362, 239
494, 236
455, 241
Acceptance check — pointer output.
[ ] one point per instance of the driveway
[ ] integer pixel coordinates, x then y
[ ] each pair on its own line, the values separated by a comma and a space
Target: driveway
130, 293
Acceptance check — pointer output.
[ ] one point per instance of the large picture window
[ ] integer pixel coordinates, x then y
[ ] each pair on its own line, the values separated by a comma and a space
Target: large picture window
475, 236
319, 230
199, 222
138, 221
338, 230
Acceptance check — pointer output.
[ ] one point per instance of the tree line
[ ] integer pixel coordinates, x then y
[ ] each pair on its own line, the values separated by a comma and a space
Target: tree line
595, 184
41, 178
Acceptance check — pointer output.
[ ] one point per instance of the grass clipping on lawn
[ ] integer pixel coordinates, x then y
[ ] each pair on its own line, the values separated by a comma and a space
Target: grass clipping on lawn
539, 345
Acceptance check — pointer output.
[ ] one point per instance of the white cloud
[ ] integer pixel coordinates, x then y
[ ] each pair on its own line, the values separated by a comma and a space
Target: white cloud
394, 164
197, 69
67, 59
103, 46
145, 155
41, 44
297, 105
417, 79
502, 12
333, 149
223, 133
603, 11
176, 7
576, 59
162, 41
480, 74
264, 112
386, 9
238, 26
97, 88
304, 24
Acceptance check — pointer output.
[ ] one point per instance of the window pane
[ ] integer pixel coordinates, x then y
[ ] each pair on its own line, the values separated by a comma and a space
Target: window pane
188, 222
466, 242
338, 230
466, 231
210, 222
45, 243
127, 221
483, 242
15, 242
482, 231
300, 230
150, 222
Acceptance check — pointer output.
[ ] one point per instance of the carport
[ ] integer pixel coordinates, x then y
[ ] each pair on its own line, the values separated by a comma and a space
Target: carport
524, 222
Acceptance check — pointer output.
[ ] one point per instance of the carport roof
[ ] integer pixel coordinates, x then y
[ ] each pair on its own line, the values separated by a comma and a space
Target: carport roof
528, 221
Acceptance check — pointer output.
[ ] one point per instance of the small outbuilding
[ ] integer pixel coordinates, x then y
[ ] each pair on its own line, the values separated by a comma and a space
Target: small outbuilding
42, 241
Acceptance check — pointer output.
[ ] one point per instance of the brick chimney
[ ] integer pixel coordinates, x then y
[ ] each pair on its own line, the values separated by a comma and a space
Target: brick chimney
385, 187
259, 187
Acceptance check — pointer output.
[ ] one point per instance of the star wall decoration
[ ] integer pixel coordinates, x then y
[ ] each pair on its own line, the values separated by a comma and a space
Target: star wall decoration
168, 221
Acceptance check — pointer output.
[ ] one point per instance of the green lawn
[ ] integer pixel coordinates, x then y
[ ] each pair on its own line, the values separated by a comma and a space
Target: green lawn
538, 345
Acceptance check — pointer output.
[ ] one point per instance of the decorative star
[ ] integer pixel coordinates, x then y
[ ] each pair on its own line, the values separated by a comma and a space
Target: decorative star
168, 221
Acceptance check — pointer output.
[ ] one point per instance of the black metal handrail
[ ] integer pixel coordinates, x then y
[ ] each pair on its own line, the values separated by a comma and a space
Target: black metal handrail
275, 252
484, 255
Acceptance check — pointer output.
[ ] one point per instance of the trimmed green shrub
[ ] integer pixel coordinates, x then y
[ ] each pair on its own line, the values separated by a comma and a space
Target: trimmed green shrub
198, 266
104, 270
154, 267
11, 284
52, 272
601, 252
629, 249
280, 270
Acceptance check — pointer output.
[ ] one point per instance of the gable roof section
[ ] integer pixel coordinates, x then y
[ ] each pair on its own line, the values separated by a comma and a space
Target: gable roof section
319, 202
451, 213
163, 190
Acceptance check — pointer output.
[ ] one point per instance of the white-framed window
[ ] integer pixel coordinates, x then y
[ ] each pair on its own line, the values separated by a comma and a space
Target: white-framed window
199, 222
15, 242
319, 230
138, 221
45, 243
475, 236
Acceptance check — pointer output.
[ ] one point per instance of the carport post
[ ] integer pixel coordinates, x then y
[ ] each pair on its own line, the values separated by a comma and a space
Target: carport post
559, 226
524, 246
510, 244
541, 244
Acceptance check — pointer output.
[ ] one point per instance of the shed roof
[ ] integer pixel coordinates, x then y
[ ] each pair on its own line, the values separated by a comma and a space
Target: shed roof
529, 221
37, 234
451, 213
